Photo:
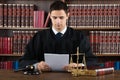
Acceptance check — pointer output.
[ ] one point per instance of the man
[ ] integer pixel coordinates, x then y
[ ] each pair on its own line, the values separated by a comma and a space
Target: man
45, 41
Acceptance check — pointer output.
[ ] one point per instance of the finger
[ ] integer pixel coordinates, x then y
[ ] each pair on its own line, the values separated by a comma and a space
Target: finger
72, 65
39, 67
45, 67
66, 68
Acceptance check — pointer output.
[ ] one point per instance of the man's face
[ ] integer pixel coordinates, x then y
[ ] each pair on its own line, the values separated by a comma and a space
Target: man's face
58, 18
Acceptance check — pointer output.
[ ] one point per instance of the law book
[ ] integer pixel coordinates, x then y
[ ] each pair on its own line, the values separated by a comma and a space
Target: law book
1, 51
117, 12
8, 65
104, 71
117, 65
9, 45
92, 72
105, 42
94, 16
19, 38
1, 15
27, 16
109, 64
93, 41
5, 45
99, 71
39, 19
28, 36
15, 65
15, 41
31, 15
18, 14
23, 16
23, 41
14, 16
5, 15
10, 9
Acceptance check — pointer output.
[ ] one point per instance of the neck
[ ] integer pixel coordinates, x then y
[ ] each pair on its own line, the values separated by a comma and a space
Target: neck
60, 29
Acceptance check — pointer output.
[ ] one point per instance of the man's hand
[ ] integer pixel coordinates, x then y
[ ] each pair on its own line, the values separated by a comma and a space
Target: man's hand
73, 65
42, 66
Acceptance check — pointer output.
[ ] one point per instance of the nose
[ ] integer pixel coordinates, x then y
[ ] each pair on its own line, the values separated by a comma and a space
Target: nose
58, 21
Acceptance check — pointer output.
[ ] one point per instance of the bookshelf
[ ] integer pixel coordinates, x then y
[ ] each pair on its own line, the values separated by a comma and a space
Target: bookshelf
23, 28
101, 19
11, 55
17, 27
87, 5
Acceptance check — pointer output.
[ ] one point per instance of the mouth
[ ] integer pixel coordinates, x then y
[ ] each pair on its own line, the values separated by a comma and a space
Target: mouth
58, 25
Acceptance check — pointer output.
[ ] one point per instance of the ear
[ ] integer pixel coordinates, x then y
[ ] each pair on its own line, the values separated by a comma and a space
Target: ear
49, 15
68, 15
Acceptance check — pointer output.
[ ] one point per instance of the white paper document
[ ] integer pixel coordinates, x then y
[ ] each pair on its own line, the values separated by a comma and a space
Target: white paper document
57, 61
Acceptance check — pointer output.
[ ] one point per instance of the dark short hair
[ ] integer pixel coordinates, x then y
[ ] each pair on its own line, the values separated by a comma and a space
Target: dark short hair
59, 5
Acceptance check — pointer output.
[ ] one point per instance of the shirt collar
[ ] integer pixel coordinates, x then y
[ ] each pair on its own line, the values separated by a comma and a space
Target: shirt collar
63, 31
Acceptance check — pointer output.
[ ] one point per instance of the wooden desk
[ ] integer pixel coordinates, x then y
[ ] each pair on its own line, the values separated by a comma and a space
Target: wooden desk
11, 75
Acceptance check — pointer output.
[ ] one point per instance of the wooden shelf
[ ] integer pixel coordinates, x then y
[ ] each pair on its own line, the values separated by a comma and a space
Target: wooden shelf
78, 27
94, 54
107, 55
12, 55
96, 28
2, 28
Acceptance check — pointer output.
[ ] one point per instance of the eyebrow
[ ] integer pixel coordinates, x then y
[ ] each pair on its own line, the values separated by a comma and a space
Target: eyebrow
58, 16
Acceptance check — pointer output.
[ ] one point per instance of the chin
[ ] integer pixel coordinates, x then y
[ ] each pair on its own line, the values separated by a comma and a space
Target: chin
58, 27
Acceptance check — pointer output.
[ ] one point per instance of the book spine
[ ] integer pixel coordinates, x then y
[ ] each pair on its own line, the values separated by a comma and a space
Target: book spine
14, 16
42, 18
117, 65
5, 45
104, 71
5, 15
18, 15
19, 42
1, 15
1, 47
10, 15
9, 45
22, 15
27, 16
15, 65
23, 41
14, 42
31, 15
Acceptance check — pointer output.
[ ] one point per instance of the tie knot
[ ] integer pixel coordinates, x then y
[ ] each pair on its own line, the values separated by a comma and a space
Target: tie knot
58, 35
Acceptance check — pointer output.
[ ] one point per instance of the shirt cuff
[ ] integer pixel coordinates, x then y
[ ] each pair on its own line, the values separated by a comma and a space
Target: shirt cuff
35, 66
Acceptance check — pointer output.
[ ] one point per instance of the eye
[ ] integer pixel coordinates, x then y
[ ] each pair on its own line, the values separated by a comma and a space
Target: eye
54, 17
61, 17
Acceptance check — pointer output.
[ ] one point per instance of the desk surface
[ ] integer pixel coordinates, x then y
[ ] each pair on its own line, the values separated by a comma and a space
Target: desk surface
11, 75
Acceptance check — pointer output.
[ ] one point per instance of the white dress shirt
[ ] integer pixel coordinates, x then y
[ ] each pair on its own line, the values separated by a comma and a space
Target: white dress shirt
63, 31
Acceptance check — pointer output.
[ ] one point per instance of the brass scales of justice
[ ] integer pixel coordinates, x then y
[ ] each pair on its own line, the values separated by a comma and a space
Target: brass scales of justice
83, 71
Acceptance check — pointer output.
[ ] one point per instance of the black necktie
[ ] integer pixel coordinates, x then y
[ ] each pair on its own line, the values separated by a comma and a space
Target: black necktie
58, 35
